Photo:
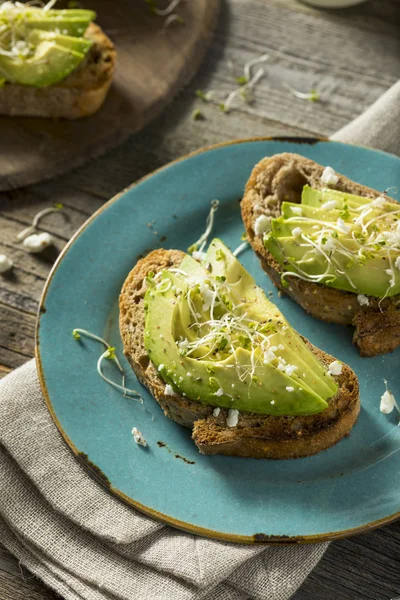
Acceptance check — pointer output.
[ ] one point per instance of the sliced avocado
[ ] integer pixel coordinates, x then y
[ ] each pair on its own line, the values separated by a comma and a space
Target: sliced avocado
291, 209
78, 44
69, 13
368, 278
350, 244
51, 63
257, 306
312, 197
67, 26
224, 377
317, 198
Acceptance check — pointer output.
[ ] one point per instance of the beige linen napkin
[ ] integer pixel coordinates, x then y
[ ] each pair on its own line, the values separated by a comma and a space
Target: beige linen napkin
86, 544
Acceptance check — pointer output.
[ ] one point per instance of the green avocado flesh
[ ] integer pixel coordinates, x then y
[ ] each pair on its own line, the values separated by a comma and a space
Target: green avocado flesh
78, 44
341, 240
215, 337
41, 48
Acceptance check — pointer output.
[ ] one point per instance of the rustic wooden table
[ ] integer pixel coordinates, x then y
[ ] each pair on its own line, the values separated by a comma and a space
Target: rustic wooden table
351, 56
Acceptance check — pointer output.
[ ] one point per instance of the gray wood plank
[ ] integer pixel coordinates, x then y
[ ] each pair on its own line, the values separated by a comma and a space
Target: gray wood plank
16, 583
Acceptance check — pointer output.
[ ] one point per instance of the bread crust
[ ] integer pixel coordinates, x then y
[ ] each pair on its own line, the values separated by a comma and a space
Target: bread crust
79, 95
281, 178
258, 436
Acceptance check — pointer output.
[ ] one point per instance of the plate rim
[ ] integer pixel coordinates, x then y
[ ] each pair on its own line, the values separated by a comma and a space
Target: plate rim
93, 469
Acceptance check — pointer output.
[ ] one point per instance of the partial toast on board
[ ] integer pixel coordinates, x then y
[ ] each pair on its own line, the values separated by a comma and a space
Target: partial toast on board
80, 94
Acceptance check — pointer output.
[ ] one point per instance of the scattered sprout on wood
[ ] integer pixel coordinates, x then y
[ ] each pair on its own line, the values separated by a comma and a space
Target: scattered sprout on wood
197, 115
6, 264
36, 220
241, 80
251, 63
205, 96
37, 242
244, 91
312, 95
165, 11
247, 83
171, 19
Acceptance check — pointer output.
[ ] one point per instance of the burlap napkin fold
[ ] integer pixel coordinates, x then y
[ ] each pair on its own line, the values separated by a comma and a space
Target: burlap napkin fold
86, 544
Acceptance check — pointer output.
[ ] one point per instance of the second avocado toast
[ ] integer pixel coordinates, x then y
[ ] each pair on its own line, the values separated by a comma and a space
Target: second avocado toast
53, 63
331, 244
221, 359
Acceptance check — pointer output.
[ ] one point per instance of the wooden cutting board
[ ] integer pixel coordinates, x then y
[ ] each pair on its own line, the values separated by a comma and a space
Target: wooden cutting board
152, 66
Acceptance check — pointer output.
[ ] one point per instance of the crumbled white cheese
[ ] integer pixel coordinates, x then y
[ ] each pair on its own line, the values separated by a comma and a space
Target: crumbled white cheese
233, 417
137, 436
362, 300
216, 411
261, 224
296, 210
340, 224
390, 272
329, 205
397, 263
169, 390
269, 356
329, 244
219, 392
272, 402
289, 388
5, 263
335, 368
290, 369
388, 403
161, 367
37, 242
199, 256
296, 232
392, 237
183, 344
329, 176
281, 346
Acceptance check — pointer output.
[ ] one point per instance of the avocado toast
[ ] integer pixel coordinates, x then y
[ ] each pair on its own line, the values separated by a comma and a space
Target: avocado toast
331, 244
222, 360
53, 63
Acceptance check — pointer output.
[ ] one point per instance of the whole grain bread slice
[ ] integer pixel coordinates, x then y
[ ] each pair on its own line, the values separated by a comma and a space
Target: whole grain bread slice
79, 95
281, 178
258, 436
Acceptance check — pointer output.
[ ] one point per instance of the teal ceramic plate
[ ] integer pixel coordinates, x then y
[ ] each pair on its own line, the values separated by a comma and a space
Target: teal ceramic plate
349, 488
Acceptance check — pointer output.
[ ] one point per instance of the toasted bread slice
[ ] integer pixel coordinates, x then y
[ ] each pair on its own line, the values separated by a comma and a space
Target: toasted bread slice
257, 436
281, 178
79, 95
